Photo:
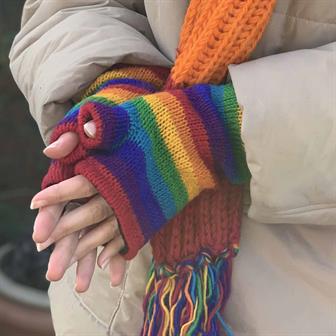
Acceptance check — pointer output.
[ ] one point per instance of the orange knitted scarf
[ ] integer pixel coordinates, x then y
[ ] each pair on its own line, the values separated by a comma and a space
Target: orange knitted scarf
187, 286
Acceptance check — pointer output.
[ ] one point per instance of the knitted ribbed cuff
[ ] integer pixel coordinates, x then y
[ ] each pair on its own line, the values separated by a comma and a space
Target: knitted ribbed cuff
111, 182
57, 172
111, 128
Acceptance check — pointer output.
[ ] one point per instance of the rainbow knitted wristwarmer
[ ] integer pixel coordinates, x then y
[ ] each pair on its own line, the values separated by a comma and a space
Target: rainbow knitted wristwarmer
117, 85
154, 154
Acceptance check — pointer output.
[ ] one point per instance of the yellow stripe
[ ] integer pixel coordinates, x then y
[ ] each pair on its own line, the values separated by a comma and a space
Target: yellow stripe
163, 104
138, 72
117, 95
164, 307
200, 170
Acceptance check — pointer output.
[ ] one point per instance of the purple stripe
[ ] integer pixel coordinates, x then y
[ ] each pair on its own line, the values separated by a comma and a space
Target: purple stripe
200, 98
129, 167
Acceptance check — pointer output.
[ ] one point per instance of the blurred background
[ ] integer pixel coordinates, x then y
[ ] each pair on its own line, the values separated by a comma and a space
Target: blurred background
23, 300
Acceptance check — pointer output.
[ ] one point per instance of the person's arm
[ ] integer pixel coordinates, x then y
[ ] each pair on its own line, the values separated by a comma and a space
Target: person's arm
289, 132
63, 46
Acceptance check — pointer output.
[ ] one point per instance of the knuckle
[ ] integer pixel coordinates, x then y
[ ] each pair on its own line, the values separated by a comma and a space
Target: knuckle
98, 208
87, 189
121, 243
57, 192
83, 247
63, 228
115, 226
108, 229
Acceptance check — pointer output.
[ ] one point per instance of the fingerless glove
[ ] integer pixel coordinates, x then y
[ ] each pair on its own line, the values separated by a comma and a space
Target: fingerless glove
113, 87
154, 154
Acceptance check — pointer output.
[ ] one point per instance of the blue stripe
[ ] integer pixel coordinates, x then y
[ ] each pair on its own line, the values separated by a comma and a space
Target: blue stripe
217, 94
129, 167
157, 183
200, 98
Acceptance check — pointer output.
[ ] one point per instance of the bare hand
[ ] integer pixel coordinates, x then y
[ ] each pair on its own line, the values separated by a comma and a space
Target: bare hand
78, 233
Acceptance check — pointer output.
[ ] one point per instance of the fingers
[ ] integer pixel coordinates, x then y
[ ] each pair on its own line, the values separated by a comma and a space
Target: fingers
93, 212
117, 270
60, 258
90, 129
85, 270
45, 222
110, 250
101, 234
74, 188
63, 146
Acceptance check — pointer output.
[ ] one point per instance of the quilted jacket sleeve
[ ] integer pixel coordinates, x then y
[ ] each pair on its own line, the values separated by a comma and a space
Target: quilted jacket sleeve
64, 45
289, 131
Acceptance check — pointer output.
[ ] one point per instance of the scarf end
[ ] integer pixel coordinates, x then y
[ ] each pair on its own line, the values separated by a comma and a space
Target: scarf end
188, 299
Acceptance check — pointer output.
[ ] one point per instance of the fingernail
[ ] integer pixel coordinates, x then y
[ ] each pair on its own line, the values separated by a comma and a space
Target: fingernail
104, 264
39, 247
90, 129
42, 246
46, 276
111, 285
52, 145
37, 204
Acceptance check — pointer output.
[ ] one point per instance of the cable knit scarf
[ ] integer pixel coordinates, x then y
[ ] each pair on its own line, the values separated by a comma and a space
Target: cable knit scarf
178, 151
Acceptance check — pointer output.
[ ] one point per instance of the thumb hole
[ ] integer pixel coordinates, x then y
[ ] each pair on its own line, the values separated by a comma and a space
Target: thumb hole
90, 129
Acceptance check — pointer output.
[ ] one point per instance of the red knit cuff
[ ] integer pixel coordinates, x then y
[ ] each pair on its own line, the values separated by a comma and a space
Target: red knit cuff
79, 152
115, 196
57, 172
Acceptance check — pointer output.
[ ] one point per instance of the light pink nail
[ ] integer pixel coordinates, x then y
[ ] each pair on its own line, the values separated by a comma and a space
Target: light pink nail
53, 145
90, 129
39, 247
104, 264
42, 246
37, 204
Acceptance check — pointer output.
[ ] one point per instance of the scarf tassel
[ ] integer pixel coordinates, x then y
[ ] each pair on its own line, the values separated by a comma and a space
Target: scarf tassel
188, 300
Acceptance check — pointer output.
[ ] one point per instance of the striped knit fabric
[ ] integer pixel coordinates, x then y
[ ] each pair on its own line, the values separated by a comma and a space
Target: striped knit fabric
155, 153
117, 85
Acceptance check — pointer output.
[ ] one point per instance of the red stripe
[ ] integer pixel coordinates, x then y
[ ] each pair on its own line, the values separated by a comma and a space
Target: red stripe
115, 196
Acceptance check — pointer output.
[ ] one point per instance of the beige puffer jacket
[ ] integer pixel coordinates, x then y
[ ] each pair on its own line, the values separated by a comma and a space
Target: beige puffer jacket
284, 280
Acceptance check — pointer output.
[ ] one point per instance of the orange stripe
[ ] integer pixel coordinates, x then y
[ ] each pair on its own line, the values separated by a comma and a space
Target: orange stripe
200, 170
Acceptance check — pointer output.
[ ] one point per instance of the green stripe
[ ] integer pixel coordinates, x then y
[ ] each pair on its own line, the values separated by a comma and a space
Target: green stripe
231, 114
162, 156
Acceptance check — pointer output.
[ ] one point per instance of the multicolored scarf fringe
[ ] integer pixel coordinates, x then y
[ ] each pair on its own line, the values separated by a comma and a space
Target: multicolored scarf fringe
187, 300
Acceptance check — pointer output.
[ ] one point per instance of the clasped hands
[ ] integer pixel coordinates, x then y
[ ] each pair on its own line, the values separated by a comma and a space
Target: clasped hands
78, 233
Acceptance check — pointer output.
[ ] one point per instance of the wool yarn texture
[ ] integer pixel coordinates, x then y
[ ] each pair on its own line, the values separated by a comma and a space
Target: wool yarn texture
171, 164
118, 84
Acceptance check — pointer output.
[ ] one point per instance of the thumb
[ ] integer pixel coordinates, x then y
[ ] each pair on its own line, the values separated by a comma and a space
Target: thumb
90, 129
63, 146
